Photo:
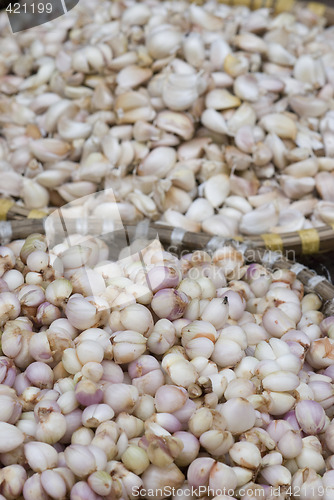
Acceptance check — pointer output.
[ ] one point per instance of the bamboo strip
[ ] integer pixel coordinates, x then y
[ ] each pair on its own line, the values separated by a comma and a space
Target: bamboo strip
304, 242
188, 242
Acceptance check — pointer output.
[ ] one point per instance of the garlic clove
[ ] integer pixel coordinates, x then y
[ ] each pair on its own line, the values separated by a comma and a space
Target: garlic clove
280, 124
219, 225
214, 121
246, 87
132, 76
306, 106
216, 189
296, 188
324, 185
220, 99
259, 220
159, 162
250, 43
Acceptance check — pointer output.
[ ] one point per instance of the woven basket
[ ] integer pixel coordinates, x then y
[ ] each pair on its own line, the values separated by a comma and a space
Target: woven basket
20, 222
304, 242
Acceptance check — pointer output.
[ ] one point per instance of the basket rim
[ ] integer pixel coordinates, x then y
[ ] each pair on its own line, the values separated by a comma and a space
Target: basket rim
303, 242
179, 240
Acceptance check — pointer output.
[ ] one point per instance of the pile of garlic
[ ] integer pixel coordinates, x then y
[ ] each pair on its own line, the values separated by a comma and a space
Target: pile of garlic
155, 376
211, 118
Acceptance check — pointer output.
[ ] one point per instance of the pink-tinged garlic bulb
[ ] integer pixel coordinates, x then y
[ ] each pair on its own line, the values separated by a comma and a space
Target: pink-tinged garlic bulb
100, 402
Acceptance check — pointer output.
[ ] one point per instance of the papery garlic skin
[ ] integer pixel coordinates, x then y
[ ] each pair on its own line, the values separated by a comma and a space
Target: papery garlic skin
244, 409
12, 437
310, 416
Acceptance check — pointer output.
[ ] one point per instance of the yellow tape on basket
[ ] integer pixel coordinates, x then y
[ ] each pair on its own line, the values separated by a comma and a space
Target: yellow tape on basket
5, 206
284, 6
317, 8
310, 240
273, 242
36, 214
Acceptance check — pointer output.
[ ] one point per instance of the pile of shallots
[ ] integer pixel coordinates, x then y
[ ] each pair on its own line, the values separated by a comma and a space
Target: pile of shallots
156, 376
210, 118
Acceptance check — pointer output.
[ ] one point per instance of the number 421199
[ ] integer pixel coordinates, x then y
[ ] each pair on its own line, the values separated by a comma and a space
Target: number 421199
33, 8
